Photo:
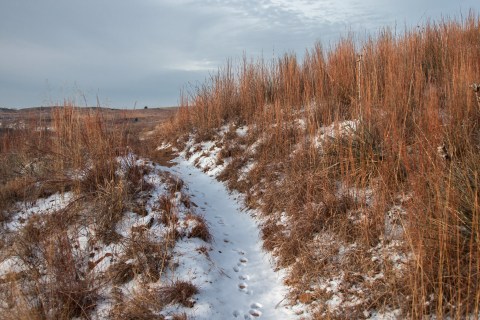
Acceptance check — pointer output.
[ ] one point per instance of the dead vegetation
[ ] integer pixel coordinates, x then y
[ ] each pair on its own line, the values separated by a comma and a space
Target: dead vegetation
378, 212
68, 189
146, 304
199, 227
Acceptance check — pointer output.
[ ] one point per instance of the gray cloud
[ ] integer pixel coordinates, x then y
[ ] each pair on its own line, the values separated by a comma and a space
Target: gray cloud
145, 51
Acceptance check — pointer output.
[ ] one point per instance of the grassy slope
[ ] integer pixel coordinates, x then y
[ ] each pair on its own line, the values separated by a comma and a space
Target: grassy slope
416, 149
67, 262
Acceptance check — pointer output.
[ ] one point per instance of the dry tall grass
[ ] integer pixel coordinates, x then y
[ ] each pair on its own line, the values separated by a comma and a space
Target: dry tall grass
54, 276
416, 99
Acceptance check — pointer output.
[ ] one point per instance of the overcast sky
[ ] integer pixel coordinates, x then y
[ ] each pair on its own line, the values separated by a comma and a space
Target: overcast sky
142, 52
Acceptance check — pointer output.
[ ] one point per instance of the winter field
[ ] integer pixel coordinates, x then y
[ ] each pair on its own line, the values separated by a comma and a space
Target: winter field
342, 186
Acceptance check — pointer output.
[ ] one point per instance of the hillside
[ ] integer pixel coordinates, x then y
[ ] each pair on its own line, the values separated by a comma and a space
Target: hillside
363, 162
99, 223
344, 185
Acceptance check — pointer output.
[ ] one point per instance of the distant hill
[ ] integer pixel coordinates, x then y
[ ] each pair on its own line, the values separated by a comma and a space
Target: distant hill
7, 110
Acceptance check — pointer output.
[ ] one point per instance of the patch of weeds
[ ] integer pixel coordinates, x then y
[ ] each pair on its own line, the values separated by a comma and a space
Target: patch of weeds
53, 285
149, 302
166, 207
135, 178
174, 184
140, 208
19, 189
100, 176
185, 199
142, 306
110, 203
200, 228
121, 272
148, 258
178, 292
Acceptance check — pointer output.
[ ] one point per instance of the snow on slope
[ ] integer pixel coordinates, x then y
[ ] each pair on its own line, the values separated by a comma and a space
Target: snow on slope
240, 282
235, 277
210, 157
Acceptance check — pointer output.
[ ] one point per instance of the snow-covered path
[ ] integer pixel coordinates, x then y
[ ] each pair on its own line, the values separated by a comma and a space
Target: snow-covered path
239, 281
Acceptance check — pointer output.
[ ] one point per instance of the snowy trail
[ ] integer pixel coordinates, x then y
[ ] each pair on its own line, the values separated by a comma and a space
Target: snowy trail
240, 282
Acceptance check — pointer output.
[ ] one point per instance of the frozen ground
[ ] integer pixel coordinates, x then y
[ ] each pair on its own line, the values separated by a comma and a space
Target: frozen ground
239, 282
335, 292
234, 276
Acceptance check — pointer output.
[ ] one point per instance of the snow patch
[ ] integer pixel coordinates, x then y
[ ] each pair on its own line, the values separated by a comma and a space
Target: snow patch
237, 280
242, 131
335, 130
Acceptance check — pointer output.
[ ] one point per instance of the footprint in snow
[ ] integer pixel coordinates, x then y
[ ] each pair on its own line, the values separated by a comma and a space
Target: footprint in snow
220, 220
243, 286
256, 305
255, 310
255, 313
239, 251
244, 277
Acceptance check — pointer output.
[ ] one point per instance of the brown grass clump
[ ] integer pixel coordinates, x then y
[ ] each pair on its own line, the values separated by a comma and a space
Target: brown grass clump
402, 182
146, 304
110, 204
178, 292
121, 272
52, 286
143, 305
113, 195
14, 191
167, 208
200, 228
151, 258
